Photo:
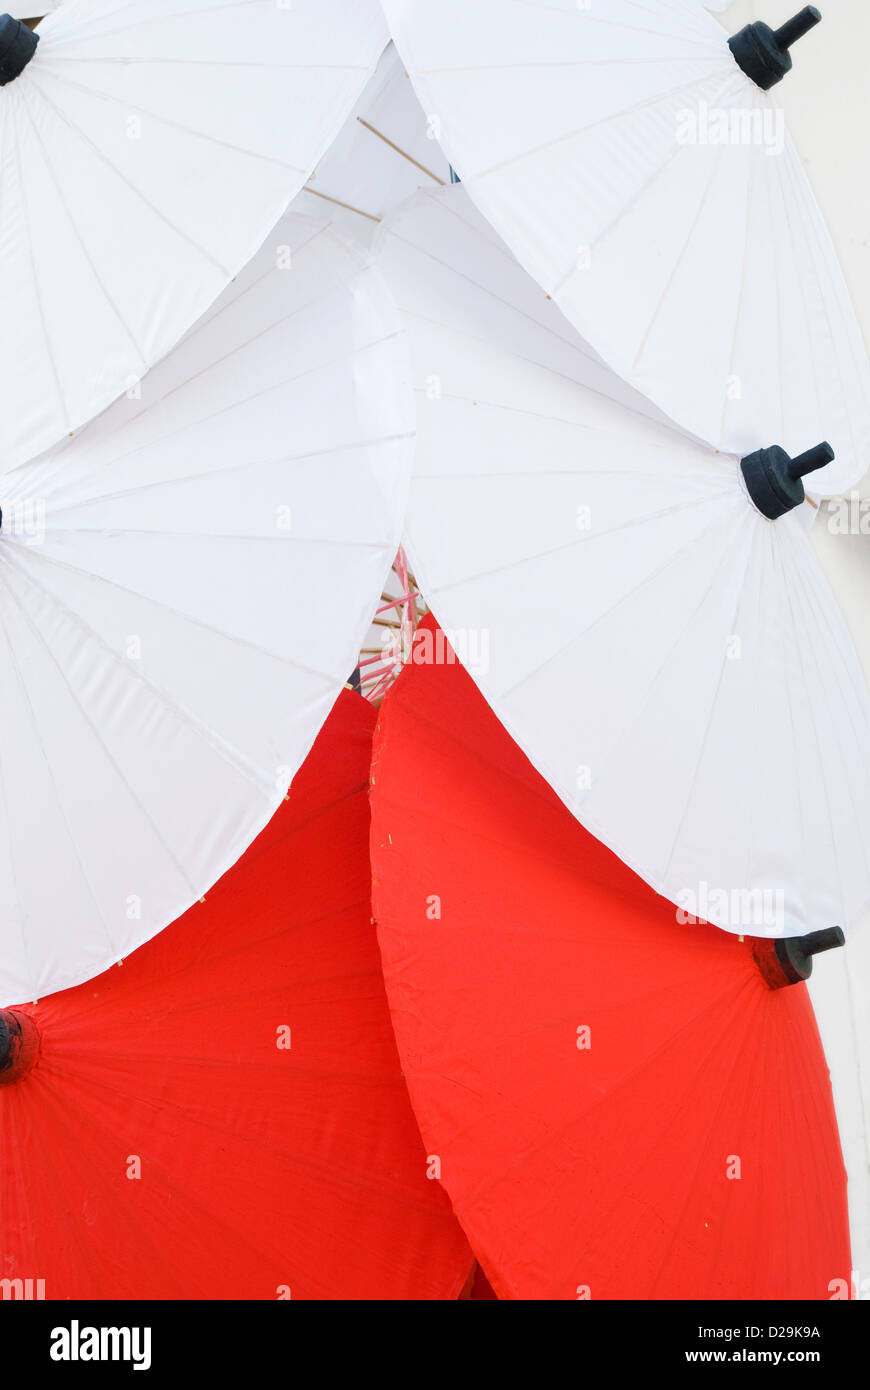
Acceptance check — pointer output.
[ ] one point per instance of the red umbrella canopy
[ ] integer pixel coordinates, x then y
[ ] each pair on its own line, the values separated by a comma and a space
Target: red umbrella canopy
619, 1105
224, 1116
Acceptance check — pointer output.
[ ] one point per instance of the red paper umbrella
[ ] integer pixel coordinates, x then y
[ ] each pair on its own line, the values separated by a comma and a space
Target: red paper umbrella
619, 1103
223, 1116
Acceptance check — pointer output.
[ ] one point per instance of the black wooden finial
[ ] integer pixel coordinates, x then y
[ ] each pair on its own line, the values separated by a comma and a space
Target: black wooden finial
17, 47
763, 53
789, 961
19, 1045
773, 479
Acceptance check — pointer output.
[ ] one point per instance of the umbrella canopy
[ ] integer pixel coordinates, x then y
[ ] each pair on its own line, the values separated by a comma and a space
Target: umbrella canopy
669, 658
149, 147
619, 1104
224, 1115
185, 589
386, 151
648, 183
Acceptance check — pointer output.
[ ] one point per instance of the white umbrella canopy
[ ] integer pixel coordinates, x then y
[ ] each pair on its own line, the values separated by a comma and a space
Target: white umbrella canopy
385, 152
184, 589
671, 660
147, 150
650, 187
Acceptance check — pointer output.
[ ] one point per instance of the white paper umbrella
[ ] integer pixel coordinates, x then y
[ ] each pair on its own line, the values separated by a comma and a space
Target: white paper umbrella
184, 588
386, 151
649, 185
147, 150
672, 661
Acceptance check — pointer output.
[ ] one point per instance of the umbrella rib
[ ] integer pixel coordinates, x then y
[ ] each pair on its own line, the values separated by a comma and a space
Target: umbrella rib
725, 1094
679, 261
755, 531
127, 62
80, 240
625, 731
714, 456
50, 770
339, 203
797, 626
573, 342
308, 306
834, 665
666, 59
146, 815
171, 977
99, 95
779, 325
788, 645
663, 423
567, 341
29, 239
479, 230
221, 747
398, 149
583, 130
530, 784
802, 288
60, 470
641, 584
589, 18
558, 1133
827, 617
762, 591
581, 540
623, 212
215, 473
611, 473
284, 539
213, 631
137, 192
855, 347
738, 308
72, 31
227, 301
630, 206
22, 918
156, 1242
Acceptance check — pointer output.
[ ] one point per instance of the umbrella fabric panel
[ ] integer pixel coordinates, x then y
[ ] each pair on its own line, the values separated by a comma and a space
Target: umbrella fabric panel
245, 1057
672, 662
147, 151
385, 152
586, 1068
629, 171
207, 561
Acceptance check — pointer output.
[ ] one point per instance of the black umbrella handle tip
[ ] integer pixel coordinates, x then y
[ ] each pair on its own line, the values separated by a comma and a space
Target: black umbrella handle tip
17, 47
797, 26
19, 1045
817, 457
789, 960
773, 479
763, 53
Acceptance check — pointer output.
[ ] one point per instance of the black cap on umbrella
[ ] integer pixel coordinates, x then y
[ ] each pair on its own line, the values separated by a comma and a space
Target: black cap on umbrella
773, 479
763, 53
19, 1045
17, 47
790, 960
